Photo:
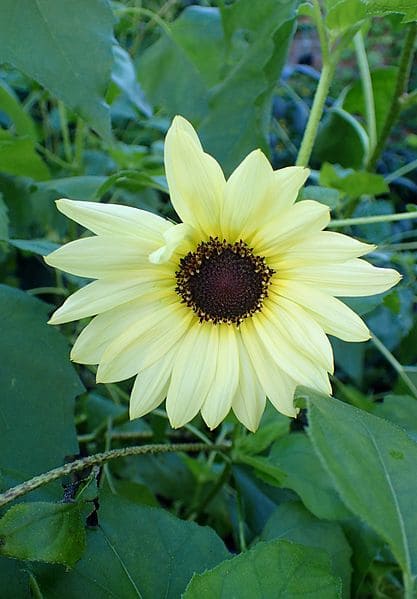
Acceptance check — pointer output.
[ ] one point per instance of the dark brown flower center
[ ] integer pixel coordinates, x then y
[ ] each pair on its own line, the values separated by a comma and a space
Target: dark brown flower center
223, 282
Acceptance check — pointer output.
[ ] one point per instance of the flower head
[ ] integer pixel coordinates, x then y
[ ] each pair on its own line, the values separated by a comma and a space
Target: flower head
229, 307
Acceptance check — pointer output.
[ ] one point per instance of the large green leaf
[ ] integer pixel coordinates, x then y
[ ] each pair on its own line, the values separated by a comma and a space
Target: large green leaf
42, 531
306, 476
220, 70
292, 522
177, 71
371, 463
38, 386
276, 569
240, 106
401, 410
136, 551
66, 47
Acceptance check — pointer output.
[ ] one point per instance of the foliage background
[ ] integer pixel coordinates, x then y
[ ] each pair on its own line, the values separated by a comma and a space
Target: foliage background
323, 506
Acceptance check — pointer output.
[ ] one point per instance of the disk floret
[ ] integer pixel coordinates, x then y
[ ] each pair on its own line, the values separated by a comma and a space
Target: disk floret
222, 281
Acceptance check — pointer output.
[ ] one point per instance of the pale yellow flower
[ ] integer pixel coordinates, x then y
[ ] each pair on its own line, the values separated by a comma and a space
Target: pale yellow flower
225, 309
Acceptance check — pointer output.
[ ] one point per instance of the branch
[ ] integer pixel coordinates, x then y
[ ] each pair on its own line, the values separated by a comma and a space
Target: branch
101, 458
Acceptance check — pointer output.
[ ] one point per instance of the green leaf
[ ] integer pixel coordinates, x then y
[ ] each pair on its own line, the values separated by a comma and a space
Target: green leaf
38, 385
273, 425
136, 551
18, 157
263, 468
177, 71
355, 447
380, 8
341, 139
343, 14
42, 247
67, 49
352, 183
124, 76
240, 106
220, 69
4, 219
306, 476
274, 569
74, 188
383, 85
9, 103
350, 358
401, 410
325, 195
47, 532
292, 522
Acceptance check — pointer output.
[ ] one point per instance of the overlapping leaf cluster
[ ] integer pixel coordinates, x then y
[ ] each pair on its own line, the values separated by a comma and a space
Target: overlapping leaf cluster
320, 507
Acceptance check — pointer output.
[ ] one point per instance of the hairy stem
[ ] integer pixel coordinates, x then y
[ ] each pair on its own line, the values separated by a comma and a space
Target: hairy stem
98, 459
401, 85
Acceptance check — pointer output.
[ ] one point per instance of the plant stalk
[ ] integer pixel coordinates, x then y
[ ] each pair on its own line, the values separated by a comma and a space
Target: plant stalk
101, 458
368, 92
369, 220
406, 61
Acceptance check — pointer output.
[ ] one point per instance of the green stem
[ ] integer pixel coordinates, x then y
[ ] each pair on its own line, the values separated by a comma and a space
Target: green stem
407, 168
98, 459
368, 92
321, 30
65, 131
326, 77
316, 112
79, 145
401, 85
396, 247
394, 363
369, 220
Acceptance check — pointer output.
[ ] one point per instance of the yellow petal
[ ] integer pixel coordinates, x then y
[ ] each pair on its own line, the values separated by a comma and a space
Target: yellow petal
246, 196
301, 330
195, 180
348, 279
110, 292
325, 246
219, 398
296, 223
287, 183
102, 330
330, 313
113, 219
96, 257
180, 239
193, 373
150, 338
277, 385
151, 386
285, 355
249, 401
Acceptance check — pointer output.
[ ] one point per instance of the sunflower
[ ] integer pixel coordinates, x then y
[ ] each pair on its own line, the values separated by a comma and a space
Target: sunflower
229, 307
